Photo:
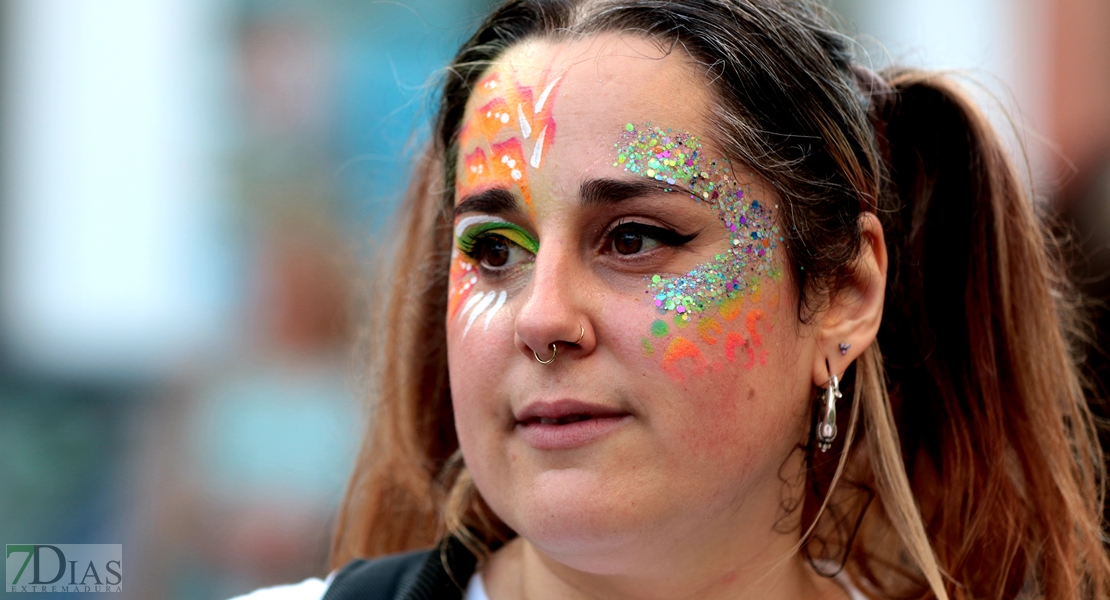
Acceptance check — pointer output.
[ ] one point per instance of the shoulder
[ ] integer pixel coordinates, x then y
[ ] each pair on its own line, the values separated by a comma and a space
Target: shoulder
439, 573
387, 577
419, 575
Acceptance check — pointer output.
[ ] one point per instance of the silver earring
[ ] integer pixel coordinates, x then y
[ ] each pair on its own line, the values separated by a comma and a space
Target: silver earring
826, 427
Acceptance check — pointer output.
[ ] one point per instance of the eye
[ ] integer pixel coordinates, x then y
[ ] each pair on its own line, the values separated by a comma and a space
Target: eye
496, 245
630, 242
494, 251
630, 238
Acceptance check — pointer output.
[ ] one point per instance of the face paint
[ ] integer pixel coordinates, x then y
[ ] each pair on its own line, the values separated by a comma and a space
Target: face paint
676, 158
524, 113
508, 133
463, 277
466, 269
471, 229
482, 302
477, 304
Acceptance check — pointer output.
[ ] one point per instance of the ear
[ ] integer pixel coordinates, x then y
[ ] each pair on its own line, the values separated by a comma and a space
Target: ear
855, 311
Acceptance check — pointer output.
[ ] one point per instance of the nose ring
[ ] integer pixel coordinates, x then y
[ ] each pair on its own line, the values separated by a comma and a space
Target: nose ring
581, 334
554, 351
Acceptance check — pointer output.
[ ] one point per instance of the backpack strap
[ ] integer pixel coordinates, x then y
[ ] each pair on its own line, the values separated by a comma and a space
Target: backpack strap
419, 575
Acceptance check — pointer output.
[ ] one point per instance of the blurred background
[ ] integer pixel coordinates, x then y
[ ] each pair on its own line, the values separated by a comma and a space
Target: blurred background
191, 194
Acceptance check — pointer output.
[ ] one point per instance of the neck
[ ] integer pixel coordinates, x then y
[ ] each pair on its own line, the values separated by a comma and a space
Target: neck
521, 571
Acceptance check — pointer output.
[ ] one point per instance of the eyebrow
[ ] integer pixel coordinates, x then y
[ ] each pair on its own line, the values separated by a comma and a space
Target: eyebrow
592, 193
494, 201
605, 192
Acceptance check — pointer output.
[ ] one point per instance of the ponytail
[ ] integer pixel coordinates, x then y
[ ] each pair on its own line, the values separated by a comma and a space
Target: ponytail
995, 436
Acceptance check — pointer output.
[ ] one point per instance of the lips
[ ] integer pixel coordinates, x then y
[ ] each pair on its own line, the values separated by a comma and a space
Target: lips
565, 424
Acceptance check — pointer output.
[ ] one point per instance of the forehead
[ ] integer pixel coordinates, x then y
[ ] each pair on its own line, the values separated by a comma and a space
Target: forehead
582, 92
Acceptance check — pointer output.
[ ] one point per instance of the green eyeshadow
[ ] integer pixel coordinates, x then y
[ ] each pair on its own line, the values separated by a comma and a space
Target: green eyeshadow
470, 230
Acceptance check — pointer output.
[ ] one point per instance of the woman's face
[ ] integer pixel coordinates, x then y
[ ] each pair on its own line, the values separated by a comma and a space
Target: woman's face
595, 213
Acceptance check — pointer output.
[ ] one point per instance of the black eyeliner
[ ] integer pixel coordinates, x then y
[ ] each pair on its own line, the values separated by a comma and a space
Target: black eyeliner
662, 235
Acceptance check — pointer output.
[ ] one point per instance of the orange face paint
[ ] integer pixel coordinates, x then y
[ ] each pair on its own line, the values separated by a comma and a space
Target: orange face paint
463, 277
753, 318
733, 341
679, 349
507, 134
709, 329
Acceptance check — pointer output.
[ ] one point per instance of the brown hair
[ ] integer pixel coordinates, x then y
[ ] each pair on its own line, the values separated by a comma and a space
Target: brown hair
970, 467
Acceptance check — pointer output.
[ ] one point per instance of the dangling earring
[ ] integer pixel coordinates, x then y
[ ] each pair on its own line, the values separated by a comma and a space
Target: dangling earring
826, 427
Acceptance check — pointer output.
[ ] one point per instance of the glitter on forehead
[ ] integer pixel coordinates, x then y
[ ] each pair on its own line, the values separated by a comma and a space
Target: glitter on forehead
676, 158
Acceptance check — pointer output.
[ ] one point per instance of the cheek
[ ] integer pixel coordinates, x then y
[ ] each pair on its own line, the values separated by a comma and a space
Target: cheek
479, 346
474, 307
737, 335
474, 362
733, 373
477, 366
472, 312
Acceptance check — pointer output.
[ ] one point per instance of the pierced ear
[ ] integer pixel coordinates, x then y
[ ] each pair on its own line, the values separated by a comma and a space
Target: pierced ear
851, 320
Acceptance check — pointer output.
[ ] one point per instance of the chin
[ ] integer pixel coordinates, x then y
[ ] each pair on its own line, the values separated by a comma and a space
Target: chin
582, 520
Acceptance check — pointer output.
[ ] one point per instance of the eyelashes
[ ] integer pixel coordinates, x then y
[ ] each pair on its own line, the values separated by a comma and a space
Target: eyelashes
496, 244
470, 231
624, 230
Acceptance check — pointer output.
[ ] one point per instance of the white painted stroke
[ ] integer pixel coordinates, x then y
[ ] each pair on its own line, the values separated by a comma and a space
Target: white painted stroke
496, 307
483, 305
537, 150
525, 126
545, 94
468, 222
470, 302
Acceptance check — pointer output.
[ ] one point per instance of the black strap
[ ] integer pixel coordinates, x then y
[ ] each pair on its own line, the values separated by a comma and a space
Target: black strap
419, 575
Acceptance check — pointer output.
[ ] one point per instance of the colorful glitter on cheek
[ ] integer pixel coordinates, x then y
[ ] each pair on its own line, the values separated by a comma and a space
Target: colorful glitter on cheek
723, 283
676, 158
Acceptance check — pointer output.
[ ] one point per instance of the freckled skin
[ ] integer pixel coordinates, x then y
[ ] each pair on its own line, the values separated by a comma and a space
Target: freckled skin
683, 498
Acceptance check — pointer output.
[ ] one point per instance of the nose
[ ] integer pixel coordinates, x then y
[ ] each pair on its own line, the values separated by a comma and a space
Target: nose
555, 318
